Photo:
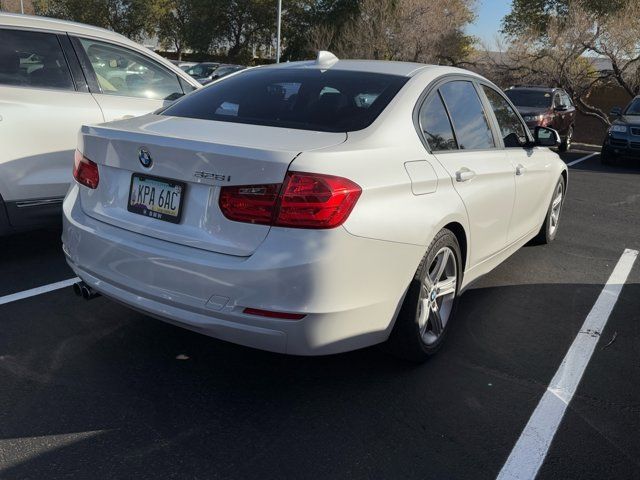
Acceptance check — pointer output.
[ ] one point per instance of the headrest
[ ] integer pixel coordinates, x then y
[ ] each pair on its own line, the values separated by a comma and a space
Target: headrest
9, 61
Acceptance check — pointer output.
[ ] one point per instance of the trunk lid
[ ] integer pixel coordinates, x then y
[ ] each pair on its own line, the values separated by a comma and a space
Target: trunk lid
205, 155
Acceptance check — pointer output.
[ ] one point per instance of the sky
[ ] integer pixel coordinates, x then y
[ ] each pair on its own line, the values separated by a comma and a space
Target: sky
489, 15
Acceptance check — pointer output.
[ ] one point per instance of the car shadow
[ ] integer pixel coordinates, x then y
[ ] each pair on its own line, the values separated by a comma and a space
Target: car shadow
94, 390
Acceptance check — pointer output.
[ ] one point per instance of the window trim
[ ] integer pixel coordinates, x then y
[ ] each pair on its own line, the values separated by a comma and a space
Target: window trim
90, 74
55, 35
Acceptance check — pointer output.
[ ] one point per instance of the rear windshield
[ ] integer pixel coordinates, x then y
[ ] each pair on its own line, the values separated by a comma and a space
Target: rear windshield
307, 99
529, 98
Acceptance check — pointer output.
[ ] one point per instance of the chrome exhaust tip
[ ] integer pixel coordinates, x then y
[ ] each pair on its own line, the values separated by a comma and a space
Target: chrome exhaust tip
83, 290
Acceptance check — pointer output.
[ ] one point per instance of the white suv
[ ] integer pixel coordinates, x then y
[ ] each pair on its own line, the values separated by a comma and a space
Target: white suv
54, 77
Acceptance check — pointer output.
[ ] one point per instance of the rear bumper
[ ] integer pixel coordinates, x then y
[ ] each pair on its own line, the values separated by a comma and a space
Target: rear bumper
348, 287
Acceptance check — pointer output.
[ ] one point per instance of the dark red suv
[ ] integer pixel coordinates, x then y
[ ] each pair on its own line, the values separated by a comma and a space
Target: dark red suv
546, 107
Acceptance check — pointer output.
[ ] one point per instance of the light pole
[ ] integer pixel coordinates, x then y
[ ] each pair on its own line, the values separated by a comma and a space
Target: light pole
22, 7
278, 36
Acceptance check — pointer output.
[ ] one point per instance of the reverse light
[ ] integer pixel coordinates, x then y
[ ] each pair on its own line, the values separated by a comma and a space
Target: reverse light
270, 314
85, 171
304, 200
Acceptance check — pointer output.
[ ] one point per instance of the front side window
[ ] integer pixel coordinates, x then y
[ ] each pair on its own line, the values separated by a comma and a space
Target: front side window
511, 128
120, 71
308, 99
33, 59
467, 115
435, 125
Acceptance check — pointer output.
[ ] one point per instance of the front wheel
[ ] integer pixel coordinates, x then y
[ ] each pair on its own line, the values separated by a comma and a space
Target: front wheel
431, 301
549, 228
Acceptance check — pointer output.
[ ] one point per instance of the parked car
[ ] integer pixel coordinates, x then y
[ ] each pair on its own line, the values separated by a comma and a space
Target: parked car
183, 65
546, 107
623, 137
312, 207
221, 71
54, 77
202, 70
186, 65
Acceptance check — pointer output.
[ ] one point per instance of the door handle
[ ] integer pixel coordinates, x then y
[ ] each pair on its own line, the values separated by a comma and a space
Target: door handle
520, 169
464, 174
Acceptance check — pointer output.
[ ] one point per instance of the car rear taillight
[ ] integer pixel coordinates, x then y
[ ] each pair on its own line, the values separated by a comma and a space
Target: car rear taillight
250, 203
85, 171
304, 200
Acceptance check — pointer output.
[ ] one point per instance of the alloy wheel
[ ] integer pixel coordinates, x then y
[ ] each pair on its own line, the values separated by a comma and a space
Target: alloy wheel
437, 295
556, 206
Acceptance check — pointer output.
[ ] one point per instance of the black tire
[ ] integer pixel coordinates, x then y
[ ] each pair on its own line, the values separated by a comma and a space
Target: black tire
606, 157
549, 228
406, 340
565, 146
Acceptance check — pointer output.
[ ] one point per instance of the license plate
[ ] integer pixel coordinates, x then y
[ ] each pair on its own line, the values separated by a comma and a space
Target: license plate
156, 197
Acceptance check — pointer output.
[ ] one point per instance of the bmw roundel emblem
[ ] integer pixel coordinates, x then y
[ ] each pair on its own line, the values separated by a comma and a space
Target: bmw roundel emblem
145, 157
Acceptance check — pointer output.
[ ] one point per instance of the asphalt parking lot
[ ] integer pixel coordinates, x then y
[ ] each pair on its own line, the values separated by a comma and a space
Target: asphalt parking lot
95, 390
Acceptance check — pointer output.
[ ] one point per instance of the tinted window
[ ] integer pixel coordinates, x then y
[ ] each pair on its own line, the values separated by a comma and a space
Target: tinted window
435, 124
121, 71
309, 99
469, 121
529, 98
33, 59
511, 128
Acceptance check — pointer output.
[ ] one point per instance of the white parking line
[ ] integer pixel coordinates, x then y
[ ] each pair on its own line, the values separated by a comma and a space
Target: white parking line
532, 446
582, 159
38, 290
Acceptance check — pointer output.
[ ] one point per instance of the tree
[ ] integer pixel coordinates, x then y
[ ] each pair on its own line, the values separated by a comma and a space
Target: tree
187, 23
427, 31
131, 18
562, 54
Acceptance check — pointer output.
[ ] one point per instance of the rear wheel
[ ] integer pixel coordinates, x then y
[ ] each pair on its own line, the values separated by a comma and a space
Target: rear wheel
566, 143
549, 228
430, 302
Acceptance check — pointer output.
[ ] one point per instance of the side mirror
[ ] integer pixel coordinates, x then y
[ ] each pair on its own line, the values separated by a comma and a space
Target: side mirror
616, 112
546, 137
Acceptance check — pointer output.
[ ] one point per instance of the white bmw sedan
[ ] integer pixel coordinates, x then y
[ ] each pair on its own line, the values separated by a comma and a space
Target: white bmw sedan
313, 207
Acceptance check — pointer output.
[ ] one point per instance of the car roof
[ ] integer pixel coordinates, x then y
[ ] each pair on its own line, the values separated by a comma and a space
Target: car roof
46, 23
389, 67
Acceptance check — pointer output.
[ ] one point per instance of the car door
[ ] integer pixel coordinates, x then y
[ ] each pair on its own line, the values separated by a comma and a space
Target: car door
480, 172
532, 167
127, 83
43, 102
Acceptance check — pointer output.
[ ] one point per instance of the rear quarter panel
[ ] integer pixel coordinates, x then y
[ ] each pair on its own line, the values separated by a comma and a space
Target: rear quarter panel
389, 208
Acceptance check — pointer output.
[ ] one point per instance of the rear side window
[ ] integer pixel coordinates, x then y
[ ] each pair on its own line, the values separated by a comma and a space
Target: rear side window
33, 59
468, 117
435, 125
308, 99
